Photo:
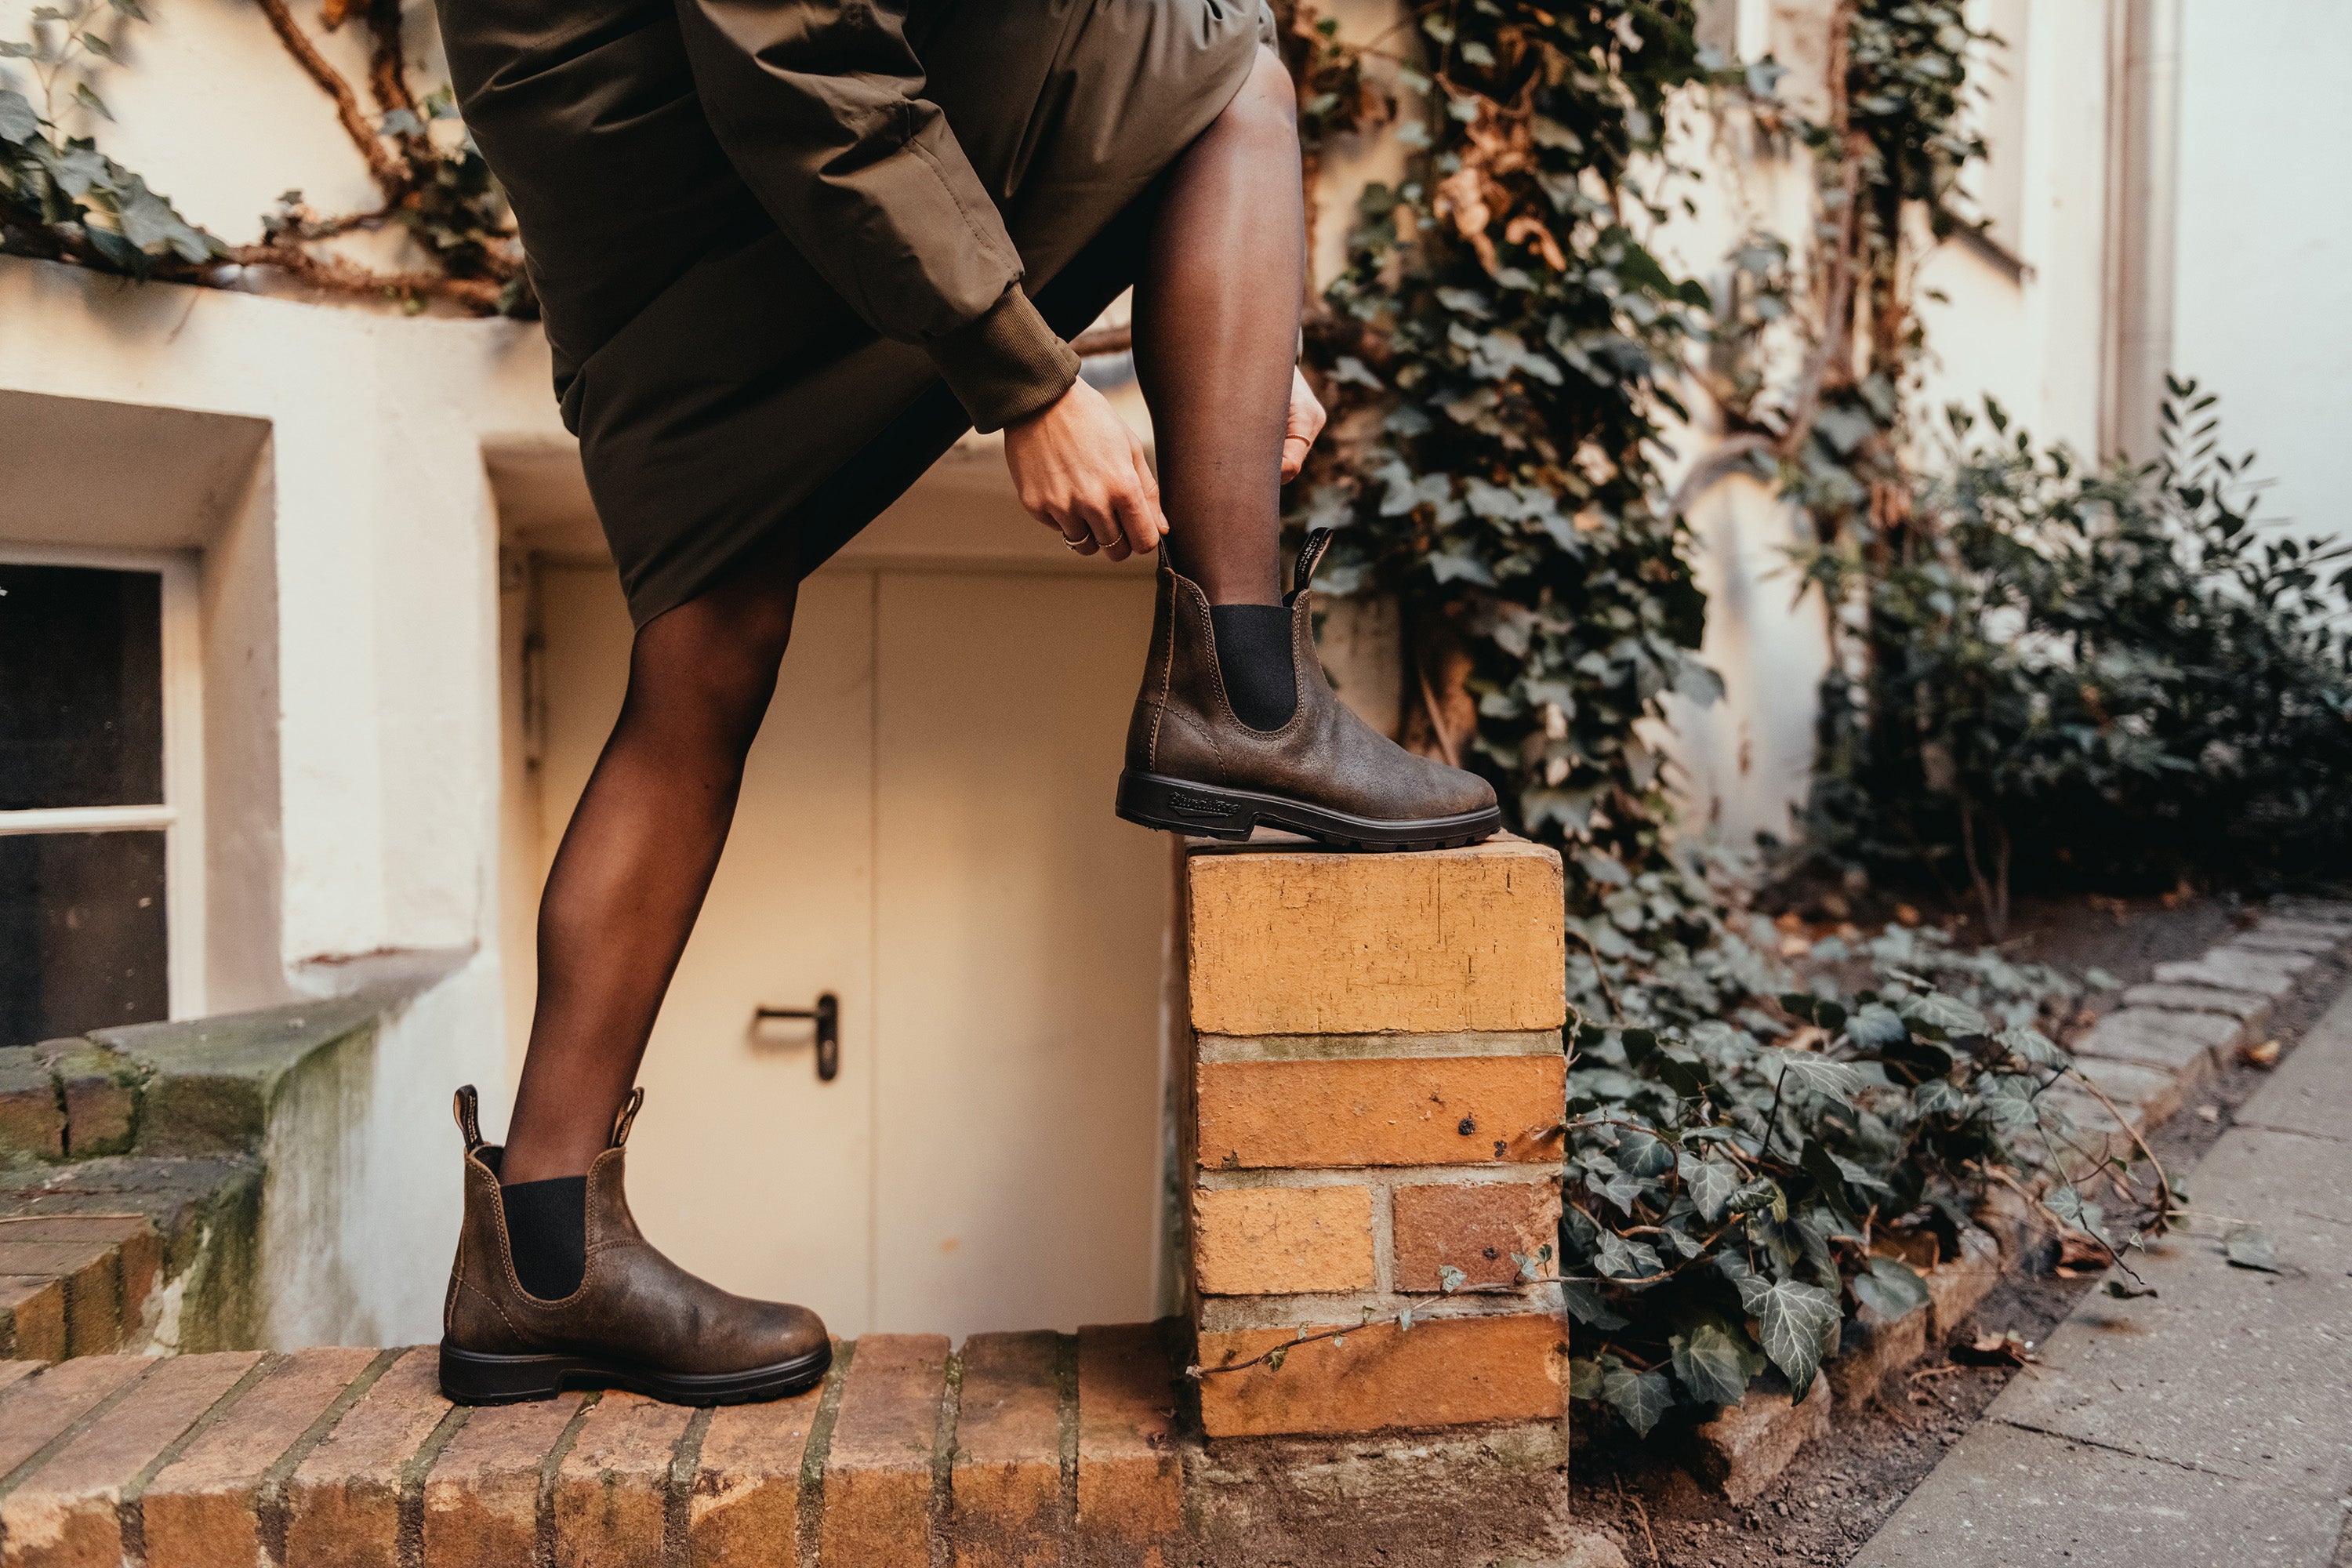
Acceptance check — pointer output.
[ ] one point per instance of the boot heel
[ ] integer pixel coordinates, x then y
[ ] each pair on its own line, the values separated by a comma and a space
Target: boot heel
469, 1377
1151, 801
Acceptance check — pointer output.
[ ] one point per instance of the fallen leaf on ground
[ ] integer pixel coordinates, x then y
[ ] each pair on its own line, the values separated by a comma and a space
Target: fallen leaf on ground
2122, 1290
2246, 1247
2010, 1349
2077, 1249
2265, 1055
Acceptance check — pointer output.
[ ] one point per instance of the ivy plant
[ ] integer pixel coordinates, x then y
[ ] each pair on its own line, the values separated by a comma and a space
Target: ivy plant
1499, 351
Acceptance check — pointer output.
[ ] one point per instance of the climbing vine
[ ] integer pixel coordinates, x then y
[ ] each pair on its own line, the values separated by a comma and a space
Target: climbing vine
1498, 353
1752, 1166
63, 199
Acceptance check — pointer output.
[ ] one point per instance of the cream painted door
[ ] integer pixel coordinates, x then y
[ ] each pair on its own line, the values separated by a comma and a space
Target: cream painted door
926, 832
1017, 967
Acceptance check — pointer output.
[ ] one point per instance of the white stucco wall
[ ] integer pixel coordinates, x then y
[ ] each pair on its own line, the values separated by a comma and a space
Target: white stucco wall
2263, 258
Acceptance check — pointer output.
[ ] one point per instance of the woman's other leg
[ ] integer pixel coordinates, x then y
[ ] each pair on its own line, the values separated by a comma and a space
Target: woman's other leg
630, 876
1216, 336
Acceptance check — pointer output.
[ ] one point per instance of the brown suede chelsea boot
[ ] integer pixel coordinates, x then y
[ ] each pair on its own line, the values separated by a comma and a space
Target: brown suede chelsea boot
637, 1322
1194, 766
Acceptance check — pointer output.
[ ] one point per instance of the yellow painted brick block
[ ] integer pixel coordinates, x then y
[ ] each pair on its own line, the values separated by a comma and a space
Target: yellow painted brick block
1306, 943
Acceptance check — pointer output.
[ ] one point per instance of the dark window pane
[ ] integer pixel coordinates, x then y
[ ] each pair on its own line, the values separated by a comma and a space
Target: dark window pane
81, 687
81, 933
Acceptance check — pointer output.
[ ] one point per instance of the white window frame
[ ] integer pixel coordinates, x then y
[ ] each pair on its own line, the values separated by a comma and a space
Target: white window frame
180, 815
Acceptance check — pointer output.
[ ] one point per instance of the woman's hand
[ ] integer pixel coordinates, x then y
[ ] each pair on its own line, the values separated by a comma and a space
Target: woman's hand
1305, 423
1078, 469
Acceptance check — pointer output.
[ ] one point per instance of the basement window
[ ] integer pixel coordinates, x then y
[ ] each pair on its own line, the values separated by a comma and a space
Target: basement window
99, 859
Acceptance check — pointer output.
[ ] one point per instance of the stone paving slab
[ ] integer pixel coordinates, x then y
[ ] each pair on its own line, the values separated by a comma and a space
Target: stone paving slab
2005, 1497
2315, 1104
2209, 1423
2241, 1373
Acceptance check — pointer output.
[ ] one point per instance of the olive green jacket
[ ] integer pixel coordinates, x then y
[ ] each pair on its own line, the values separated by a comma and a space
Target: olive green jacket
820, 107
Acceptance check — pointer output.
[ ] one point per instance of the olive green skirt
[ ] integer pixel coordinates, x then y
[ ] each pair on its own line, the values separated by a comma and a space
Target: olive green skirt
721, 389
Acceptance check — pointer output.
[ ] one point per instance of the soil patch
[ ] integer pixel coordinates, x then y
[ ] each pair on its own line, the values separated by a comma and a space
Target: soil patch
1841, 1487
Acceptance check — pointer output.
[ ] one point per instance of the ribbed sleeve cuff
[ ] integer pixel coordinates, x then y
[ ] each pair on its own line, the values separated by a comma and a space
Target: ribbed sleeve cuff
1007, 365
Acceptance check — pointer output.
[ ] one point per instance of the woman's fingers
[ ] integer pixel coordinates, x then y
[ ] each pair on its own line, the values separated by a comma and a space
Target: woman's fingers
1135, 522
1305, 424
1147, 504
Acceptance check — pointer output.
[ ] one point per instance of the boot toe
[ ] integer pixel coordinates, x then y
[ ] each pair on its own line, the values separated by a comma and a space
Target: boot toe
786, 1332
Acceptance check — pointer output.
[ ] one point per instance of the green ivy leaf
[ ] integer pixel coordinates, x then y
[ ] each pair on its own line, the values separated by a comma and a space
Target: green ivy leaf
1794, 1322
1586, 1306
1641, 1397
1712, 1364
1816, 1075
1710, 1184
19, 123
1876, 1026
1948, 1015
1622, 1259
1583, 1378
2033, 1046
1890, 1289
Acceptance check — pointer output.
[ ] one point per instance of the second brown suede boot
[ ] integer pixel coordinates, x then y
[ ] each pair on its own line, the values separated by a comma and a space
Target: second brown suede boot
1194, 766
637, 1322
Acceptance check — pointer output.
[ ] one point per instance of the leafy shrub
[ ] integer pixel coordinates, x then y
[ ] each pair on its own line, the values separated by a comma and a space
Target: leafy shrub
1738, 1187
2107, 677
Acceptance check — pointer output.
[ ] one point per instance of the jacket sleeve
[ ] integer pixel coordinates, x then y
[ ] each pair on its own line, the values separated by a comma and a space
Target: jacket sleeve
819, 104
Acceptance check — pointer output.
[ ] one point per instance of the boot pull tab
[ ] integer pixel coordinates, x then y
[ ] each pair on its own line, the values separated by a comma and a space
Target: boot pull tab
1310, 554
628, 1115
467, 1105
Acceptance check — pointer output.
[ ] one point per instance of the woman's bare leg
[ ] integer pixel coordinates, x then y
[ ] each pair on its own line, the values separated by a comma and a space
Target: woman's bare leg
1217, 336
637, 859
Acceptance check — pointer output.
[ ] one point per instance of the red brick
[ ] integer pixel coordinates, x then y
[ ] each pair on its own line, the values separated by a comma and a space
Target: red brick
35, 1319
343, 1504
34, 1412
1474, 1228
481, 1499
202, 1510
1259, 1241
1389, 1110
101, 1292
68, 1513
93, 1283
100, 1111
30, 1121
877, 1475
612, 1493
1445, 1372
1008, 1458
745, 1505
1130, 1477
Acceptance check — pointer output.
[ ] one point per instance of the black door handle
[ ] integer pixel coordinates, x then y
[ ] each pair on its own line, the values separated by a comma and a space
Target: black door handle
827, 1015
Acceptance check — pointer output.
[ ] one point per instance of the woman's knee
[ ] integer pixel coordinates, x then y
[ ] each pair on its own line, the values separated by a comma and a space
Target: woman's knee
1266, 109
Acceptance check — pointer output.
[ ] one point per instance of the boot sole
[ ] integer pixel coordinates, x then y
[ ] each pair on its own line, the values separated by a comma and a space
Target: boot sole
472, 1377
1178, 807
